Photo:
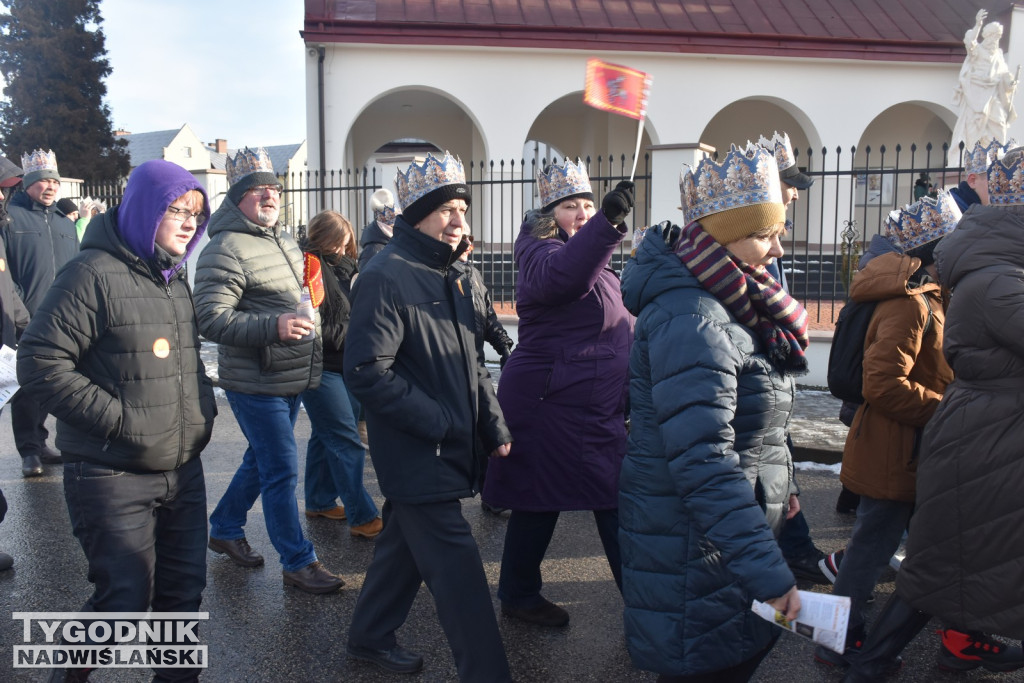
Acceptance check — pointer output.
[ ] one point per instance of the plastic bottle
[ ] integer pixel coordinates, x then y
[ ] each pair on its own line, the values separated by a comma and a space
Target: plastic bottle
304, 309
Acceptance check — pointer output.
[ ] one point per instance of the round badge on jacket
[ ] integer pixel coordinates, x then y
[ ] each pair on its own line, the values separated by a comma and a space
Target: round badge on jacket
161, 348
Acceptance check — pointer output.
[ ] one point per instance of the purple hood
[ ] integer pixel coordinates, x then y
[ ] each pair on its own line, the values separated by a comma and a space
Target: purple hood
151, 189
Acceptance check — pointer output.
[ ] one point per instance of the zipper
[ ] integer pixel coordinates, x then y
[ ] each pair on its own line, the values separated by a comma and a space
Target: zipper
181, 379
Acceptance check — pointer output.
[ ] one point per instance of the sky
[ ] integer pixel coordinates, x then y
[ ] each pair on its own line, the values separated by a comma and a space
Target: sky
231, 69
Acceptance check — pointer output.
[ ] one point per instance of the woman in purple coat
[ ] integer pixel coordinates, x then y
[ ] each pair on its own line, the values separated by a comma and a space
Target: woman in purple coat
563, 390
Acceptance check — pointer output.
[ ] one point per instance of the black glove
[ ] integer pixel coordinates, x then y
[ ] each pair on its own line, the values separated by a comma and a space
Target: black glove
504, 359
617, 204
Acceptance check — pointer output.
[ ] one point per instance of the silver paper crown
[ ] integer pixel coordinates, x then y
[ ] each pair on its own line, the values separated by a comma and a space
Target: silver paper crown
780, 146
985, 151
433, 173
563, 181
922, 222
39, 160
1006, 179
246, 162
742, 179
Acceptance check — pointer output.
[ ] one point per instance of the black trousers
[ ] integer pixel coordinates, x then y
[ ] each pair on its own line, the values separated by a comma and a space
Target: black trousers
432, 543
144, 536
526, 542
28, 424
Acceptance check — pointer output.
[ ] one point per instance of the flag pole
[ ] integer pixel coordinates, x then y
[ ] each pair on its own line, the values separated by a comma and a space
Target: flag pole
636, 153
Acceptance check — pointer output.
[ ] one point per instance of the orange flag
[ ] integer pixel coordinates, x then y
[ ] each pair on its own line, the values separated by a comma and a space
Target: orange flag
313, 278
618, 89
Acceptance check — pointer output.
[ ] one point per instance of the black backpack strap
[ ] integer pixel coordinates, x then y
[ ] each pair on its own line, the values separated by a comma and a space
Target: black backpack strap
928, 305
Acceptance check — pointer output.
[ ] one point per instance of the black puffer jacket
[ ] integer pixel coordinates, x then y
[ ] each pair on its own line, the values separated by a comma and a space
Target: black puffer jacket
336, 309
411, 359
965, 550
246, 278
371, 242
38, 241
113, 353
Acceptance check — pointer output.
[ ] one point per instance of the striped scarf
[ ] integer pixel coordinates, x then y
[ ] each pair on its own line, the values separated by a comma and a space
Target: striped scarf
753, 297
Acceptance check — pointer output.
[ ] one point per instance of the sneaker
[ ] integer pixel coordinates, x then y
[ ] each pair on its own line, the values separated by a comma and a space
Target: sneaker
829, 565
545, 614
962, 651
808, 567
371, 529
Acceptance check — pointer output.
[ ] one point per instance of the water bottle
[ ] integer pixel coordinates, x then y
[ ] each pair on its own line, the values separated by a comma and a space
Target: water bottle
304, 309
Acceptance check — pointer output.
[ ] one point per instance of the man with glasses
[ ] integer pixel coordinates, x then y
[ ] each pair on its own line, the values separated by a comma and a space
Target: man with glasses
38, 240
411, 359
249, 280
113, 352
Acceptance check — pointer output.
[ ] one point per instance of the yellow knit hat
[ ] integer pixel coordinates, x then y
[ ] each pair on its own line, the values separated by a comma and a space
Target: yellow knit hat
735, 224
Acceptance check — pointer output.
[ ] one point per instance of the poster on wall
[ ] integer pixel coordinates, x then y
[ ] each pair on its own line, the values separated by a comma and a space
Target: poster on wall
873, 188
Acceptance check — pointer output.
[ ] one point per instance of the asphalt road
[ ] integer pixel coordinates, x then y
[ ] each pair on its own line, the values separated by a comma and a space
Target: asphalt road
260, 631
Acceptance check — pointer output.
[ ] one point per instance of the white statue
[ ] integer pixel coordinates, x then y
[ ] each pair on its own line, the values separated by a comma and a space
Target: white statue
985, 92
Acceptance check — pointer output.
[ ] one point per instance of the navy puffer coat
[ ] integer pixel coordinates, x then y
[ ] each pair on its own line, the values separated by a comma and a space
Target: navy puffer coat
706, 479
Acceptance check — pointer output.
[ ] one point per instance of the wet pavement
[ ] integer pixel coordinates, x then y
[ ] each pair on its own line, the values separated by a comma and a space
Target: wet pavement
261, 632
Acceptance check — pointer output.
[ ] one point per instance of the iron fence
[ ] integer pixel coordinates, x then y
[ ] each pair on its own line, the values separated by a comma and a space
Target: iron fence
853, 192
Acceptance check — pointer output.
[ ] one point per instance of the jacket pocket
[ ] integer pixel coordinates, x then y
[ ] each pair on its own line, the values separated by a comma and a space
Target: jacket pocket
575, 372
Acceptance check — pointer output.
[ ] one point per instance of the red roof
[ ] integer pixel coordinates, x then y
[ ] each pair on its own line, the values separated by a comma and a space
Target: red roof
910, 30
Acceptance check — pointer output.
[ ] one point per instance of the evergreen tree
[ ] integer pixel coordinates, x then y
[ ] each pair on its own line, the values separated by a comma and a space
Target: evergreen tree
53, 57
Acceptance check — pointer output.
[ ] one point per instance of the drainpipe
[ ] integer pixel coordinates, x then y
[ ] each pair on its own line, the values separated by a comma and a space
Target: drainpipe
321, 51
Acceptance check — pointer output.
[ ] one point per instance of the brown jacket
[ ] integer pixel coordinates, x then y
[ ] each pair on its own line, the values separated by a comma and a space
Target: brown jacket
904, 377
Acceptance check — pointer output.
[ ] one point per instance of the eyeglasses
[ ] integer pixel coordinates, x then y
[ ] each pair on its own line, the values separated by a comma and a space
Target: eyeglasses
260, 190
182, 215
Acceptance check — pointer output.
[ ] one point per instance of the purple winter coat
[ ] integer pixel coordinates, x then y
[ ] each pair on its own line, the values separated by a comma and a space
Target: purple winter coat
563, 391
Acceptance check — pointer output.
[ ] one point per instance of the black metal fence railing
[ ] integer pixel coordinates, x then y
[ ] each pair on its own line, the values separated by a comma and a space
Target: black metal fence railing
853, 192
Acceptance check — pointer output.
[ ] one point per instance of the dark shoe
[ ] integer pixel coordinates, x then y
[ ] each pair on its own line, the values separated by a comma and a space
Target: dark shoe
847, 502
962, 651
851, 654
48, 456
313, 578
31, 466
6, 562
487, 507
897, 625
545, 614
238, 550
396, 659
807, 568
336, 512
829, 565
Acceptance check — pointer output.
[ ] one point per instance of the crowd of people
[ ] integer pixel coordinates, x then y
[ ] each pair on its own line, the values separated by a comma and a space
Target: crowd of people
659, 401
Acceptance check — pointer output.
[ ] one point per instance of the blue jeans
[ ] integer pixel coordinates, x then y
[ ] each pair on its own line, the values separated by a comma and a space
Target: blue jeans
144, 536
876, 536
334, 455
270, 467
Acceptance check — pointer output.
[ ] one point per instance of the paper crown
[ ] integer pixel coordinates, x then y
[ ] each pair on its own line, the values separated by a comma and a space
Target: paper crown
39, 160
563, 181
1006, 179
922, 222
980, 158
780, 146
742, 179
246, 162
422, 179
383, 204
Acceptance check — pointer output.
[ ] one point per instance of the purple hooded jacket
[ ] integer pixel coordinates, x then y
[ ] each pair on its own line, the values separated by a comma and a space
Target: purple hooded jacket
563, 391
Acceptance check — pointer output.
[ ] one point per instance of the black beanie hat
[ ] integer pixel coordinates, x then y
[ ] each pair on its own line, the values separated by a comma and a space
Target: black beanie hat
236, 191
66, 206
425, 205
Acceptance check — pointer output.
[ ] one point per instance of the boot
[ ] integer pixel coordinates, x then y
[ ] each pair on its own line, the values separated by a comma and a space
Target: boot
879, 657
